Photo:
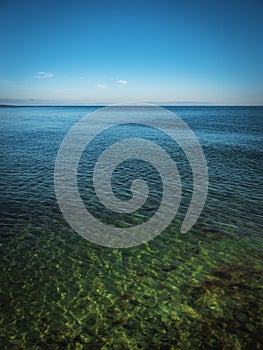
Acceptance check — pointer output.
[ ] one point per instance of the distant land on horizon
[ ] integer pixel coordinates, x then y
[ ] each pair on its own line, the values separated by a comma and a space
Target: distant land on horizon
45, 103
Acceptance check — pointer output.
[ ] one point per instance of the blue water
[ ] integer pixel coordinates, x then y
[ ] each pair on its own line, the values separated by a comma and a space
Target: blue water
199, 290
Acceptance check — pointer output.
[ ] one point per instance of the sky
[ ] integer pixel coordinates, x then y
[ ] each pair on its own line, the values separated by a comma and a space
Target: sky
169, 51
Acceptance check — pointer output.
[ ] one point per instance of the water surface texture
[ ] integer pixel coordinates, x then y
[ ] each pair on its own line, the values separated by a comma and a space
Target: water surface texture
198, 290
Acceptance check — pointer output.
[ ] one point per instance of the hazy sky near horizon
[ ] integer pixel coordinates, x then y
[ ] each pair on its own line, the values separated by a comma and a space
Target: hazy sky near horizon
123, 51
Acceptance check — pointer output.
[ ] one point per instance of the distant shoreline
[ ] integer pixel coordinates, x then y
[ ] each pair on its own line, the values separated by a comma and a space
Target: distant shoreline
100, 106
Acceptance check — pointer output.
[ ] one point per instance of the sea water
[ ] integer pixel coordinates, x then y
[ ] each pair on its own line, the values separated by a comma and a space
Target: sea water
197, 290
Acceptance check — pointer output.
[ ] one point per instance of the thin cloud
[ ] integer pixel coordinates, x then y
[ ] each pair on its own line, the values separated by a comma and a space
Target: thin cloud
61, 91
44, 75
102, 86
5, 81
122, 82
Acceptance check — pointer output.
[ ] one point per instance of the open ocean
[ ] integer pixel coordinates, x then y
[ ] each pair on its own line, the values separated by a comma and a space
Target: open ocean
199, 290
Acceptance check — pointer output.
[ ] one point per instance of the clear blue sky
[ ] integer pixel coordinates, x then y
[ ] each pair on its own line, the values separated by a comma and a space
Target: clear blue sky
121, 51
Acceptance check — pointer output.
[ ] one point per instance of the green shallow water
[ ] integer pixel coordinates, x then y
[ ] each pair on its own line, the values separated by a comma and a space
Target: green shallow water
60, 291
200, 290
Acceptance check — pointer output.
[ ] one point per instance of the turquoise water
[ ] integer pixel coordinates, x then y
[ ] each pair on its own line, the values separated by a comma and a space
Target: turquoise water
199, 290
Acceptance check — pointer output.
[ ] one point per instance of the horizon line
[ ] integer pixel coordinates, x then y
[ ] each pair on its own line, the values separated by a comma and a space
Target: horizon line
126, 105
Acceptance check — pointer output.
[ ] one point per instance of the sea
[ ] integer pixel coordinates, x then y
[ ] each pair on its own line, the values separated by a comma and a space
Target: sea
200, 289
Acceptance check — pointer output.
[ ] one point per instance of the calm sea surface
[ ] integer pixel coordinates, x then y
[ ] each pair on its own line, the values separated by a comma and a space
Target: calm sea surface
199, 290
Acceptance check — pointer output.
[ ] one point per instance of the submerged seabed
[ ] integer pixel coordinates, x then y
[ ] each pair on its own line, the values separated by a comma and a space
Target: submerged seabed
199, 290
